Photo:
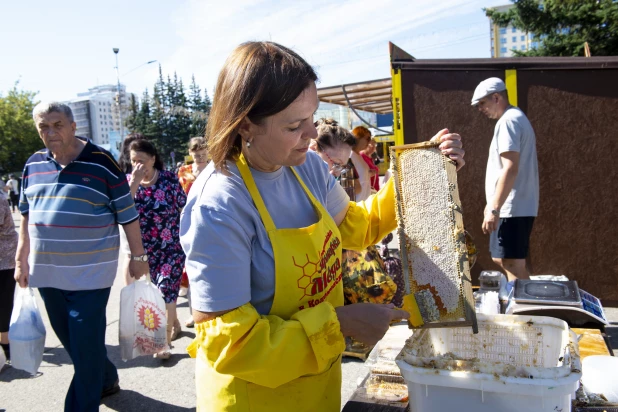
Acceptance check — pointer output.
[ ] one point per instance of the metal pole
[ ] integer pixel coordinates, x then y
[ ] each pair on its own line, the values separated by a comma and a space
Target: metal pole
118, 95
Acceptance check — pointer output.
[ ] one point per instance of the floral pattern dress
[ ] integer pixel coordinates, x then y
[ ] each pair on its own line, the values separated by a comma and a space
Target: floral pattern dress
159, 209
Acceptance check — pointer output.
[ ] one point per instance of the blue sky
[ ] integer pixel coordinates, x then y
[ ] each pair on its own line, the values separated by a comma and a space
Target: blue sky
64, 47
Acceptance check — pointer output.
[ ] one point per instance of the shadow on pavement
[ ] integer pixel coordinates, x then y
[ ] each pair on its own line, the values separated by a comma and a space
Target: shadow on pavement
130, 401
56, 356
9, 374
113, 353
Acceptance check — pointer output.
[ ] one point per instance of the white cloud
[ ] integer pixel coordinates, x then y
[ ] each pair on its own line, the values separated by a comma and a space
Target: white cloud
344, 39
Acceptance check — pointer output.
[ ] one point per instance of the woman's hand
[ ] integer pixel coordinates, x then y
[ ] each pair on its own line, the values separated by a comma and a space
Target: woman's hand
368, 322
139, 171
451, 146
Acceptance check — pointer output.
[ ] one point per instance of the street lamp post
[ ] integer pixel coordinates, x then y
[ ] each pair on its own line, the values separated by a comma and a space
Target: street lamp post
116, 50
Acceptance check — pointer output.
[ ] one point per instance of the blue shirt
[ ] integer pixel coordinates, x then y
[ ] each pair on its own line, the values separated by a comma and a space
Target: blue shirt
229, 255
73, 216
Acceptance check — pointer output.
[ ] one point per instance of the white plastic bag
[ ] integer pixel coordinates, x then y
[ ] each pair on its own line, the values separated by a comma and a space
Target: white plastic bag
26, 332
143, 325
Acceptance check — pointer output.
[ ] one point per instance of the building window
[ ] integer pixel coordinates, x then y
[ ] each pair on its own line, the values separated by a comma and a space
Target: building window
502, 50
523, 47
534, 45
514, 30
514, 39
503, 40
523, 38
503, 30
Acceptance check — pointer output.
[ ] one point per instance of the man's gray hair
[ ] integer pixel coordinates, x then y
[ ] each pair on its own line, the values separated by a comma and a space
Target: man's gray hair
51, 107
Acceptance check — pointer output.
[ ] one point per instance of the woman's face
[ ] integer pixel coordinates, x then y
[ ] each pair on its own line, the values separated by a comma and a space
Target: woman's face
142, 158
336, 157
371, 148
200, 157
283, 138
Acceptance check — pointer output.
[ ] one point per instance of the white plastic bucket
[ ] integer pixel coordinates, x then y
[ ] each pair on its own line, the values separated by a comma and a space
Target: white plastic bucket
554, 368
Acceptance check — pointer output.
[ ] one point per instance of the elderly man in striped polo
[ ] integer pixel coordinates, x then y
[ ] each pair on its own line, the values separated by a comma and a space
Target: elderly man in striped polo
73, 198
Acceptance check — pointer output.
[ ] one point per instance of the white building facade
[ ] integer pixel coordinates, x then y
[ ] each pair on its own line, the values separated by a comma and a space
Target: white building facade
96, 113
506, 39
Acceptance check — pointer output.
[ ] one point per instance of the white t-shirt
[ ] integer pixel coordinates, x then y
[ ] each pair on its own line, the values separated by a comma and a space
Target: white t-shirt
514, 133
13, 185
362, 168
229, 255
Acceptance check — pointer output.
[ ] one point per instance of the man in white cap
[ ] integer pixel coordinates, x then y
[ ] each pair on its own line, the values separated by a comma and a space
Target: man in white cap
511, 181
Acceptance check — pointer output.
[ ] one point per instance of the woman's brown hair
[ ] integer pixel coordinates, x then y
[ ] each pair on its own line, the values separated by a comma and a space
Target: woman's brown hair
197, 143
144, 146
360, 132
259, 79
330, 134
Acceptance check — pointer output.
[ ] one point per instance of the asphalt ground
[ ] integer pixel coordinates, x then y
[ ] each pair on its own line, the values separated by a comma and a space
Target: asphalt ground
147, 384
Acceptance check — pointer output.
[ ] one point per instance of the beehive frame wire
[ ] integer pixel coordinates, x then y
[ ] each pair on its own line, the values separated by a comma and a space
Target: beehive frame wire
433, 247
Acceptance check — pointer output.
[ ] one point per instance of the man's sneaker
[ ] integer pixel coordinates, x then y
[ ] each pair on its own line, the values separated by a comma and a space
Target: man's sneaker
115, 388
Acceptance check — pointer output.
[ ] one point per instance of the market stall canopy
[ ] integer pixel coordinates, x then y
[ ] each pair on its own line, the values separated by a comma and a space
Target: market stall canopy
373, 96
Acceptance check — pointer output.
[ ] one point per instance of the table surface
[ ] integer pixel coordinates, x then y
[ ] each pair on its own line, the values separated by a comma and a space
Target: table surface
591, 342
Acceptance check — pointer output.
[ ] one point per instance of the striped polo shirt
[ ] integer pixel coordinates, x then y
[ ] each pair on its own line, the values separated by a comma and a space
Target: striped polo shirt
73, 217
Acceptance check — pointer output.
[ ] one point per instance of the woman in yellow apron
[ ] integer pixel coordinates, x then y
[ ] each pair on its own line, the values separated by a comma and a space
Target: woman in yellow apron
263, 231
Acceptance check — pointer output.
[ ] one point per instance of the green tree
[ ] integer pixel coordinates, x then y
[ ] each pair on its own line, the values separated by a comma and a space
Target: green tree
157, 129
171, 116
19, 138
143, 121
177, 119
562, 27
131, 120
200, 108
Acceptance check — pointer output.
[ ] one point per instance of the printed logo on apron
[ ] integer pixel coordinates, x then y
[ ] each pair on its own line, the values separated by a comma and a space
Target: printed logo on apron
322, 276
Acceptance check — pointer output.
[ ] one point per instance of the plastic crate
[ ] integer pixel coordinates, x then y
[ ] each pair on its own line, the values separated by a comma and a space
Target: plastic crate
514, 363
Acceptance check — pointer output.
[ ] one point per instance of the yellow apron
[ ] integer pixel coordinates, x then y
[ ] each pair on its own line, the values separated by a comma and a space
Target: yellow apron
307, 272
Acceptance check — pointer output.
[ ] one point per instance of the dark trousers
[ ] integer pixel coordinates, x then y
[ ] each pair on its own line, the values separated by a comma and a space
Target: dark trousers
14, 201
78, 318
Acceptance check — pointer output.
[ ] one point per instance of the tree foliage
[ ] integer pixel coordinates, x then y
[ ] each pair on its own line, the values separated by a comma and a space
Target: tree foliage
562, 27
170, 116
18, 135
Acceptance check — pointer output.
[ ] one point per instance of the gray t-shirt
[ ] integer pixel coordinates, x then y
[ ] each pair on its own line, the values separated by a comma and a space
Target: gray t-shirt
514, 133
229, 255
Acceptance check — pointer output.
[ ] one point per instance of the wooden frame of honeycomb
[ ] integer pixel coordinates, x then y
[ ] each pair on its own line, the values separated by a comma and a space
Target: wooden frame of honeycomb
431, 235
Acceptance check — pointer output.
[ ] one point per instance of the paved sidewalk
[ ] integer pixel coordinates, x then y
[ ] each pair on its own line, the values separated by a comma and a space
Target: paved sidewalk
147, 384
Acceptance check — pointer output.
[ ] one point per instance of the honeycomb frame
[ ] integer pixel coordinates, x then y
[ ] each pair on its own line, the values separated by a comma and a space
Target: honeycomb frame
431, 235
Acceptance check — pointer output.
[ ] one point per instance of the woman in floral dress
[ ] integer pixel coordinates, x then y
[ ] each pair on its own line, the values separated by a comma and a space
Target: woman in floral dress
159, 200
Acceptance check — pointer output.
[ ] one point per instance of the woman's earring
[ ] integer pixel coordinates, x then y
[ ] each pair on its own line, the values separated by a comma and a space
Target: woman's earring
248, 144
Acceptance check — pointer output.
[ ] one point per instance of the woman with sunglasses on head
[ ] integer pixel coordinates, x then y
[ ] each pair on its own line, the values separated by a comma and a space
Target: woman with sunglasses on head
263, 231
334, 145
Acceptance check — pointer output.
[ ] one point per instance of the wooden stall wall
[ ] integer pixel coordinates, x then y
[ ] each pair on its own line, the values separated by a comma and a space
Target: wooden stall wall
575, 117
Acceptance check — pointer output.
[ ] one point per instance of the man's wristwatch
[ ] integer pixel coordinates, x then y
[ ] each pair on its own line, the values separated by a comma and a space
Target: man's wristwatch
140, 258
495, 212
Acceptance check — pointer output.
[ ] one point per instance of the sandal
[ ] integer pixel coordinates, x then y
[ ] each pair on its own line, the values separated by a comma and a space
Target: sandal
164, 354
189, 323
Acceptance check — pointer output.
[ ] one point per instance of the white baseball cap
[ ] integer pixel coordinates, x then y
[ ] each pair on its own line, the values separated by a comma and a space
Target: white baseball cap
487, 87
